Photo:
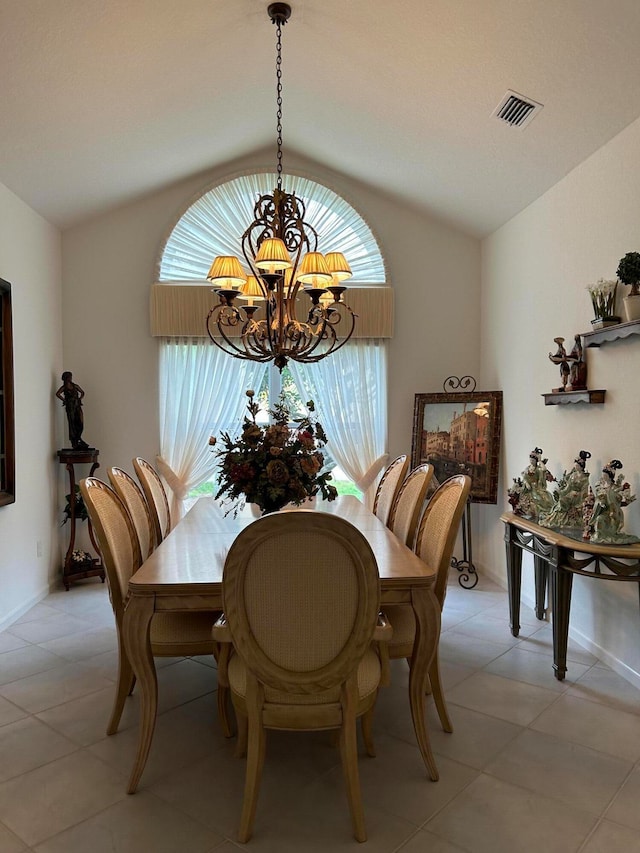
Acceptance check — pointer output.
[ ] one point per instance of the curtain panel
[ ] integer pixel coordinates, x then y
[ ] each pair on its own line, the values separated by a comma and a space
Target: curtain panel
349, 390
201, 394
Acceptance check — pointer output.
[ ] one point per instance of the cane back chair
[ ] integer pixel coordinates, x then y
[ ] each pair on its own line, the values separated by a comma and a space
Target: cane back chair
407, 508
434, 544
132, 497
301, 595
389, 486
156, 498
172, 634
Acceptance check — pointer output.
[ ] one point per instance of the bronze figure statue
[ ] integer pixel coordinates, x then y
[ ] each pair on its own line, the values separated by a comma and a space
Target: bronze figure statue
71, 395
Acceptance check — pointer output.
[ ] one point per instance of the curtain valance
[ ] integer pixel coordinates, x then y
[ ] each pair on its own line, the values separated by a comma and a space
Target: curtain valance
180, 309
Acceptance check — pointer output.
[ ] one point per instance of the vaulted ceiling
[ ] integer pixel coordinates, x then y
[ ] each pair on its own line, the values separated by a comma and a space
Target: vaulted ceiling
105, 100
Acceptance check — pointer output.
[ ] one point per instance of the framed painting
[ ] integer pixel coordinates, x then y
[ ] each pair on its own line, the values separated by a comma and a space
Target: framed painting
460, 434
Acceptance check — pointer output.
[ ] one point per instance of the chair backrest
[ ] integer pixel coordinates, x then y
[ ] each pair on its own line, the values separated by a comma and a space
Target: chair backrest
407, 508
389, 486
439, 528
116, 537
301, 595
131, 496
156, 498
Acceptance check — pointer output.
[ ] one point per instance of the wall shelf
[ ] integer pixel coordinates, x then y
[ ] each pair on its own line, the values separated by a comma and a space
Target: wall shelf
559, 398
611, 333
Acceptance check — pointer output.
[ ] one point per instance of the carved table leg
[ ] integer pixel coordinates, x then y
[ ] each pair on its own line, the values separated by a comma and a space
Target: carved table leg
561, 582
514, 579
541, 569
427, 613
137, 623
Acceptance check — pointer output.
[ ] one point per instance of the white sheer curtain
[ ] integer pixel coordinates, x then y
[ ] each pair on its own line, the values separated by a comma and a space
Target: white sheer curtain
349, 389
201, 392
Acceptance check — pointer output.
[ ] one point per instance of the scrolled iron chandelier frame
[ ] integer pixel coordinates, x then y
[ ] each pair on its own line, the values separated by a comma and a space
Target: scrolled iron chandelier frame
281, 251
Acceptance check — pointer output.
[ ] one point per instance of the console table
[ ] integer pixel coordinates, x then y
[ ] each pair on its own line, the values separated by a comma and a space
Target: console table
556, 559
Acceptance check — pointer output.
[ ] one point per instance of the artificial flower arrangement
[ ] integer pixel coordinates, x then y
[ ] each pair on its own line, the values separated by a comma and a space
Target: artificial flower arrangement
274, 465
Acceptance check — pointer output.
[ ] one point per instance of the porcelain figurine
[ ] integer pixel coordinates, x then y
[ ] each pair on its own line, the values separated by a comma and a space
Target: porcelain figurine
611, 494
570, 495
587, 513
528, 495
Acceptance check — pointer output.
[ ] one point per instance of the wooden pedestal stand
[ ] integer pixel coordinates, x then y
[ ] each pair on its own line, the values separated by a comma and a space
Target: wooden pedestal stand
73, 570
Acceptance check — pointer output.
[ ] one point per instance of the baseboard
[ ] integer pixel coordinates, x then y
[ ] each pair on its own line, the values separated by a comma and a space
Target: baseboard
617, 665
22, 608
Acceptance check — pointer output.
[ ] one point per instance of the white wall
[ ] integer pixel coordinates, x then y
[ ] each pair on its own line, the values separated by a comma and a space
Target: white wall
109, 264
534, 273
30, 259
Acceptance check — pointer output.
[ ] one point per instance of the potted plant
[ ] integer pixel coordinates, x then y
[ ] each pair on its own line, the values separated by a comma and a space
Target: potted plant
629, 273
603, 299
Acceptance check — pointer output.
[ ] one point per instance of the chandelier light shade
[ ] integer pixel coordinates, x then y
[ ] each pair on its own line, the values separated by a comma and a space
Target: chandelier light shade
252, 291
300, 312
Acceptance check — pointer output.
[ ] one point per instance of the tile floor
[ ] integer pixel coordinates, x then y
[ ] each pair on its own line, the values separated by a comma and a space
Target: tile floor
533, 764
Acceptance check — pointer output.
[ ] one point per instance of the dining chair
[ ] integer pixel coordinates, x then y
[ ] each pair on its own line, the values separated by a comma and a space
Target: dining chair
407, 507
156, 498
389, 486
172, 634
132, 497
434, 544
301, 598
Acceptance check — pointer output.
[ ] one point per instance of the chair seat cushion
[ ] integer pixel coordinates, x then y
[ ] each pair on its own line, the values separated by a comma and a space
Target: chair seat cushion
403, 622
368, 681
183, 633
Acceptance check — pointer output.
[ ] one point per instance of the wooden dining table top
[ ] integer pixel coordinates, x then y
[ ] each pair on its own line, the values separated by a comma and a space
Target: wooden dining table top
191, 559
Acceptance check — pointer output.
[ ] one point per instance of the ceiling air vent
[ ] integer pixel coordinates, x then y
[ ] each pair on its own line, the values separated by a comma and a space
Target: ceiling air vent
516, 110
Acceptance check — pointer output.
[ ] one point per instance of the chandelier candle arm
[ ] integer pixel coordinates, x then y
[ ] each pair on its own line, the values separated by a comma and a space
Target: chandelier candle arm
281, 252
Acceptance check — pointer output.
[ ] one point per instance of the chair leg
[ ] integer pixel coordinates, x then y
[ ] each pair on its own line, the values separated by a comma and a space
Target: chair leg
367, 732
223, 711
255, 760
126, 682
438, 695
349, 756
241, 746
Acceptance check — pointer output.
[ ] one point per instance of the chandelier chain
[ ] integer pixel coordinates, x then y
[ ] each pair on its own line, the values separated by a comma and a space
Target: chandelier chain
279, 99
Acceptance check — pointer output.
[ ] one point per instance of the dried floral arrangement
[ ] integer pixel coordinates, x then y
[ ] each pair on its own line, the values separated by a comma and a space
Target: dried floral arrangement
275, 464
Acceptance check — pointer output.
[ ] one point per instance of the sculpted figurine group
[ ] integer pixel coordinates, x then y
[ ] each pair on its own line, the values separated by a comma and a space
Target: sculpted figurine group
573, 368
574, 505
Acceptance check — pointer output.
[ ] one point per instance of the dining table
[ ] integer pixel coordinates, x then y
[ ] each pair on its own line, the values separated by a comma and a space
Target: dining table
185, 574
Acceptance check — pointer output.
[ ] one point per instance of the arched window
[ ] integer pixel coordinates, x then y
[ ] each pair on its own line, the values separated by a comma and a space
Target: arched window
214, 223
202, 388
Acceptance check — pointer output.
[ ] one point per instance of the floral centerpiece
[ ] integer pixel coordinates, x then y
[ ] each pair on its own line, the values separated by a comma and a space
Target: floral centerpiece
275, 464
603, 299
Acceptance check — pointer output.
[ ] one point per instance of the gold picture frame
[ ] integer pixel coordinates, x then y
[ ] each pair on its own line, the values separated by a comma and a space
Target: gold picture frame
459, 433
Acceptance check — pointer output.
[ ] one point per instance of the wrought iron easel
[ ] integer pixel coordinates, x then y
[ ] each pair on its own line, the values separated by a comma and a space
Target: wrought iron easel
468, 577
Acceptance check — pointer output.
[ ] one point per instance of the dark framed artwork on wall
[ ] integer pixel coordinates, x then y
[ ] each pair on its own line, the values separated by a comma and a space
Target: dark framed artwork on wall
460, 434
7, 424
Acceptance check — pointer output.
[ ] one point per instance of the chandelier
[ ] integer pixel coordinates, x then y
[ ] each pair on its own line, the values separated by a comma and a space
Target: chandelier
281, 252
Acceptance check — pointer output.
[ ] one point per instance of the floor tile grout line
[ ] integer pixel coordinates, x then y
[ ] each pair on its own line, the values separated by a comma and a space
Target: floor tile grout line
476, 771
